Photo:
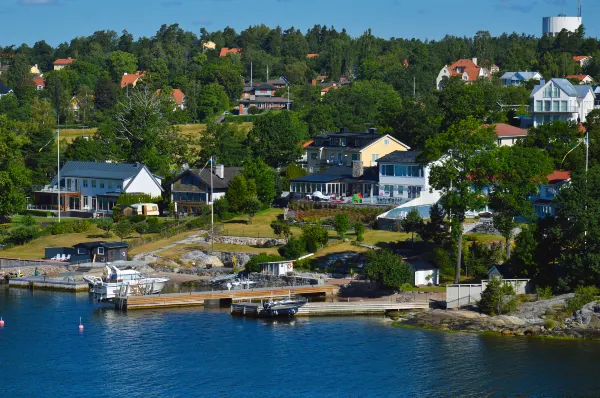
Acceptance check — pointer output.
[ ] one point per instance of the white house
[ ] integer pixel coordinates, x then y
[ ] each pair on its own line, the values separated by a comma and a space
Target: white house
424, 273
559, 99
96, 186
581, 59
277, 268
466, 69
508, 135
518, 78
543, 201
581, 79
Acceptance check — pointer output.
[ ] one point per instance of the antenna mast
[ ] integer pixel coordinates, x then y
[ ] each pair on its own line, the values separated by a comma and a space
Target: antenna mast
579, 9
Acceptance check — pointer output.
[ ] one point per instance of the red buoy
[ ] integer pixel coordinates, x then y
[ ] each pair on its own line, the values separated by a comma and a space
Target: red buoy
80, 325
1, 322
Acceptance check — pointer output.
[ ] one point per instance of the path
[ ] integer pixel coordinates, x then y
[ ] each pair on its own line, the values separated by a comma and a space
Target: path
196, 238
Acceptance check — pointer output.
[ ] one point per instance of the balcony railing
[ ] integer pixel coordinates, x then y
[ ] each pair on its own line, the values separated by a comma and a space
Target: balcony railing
52, 189
568, 109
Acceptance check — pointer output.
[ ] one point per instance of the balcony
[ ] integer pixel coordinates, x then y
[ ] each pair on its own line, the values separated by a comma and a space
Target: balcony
568, 109
52, 189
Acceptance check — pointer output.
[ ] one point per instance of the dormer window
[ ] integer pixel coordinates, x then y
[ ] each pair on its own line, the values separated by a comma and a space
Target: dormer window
318, 142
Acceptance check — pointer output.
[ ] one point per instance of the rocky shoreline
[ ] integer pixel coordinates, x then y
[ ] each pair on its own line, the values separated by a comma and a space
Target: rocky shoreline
530, 320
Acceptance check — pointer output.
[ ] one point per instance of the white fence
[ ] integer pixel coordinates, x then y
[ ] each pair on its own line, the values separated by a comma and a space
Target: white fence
460, 295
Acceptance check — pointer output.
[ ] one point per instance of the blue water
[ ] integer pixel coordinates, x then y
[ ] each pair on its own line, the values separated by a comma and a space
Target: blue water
202, 352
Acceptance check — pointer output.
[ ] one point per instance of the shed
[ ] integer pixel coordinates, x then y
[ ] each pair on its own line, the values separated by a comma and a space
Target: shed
424, 273
277, 268
494, 272
103, 251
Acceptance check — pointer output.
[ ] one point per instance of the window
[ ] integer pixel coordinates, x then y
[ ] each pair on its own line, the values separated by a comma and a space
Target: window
68, 183
86, 201
539, 106
386, 141
119, 186
547, 106
388, 190
548, 91
555, 106
102, 184
313, 155
343, 141
555, 92
85, 183
110, 185
80, 250
101, 250
387, 170
355, 156
374, 157
93, 183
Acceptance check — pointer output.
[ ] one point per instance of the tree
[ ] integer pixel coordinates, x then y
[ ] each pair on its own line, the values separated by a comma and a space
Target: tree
276, 138
290, 172
238, 193
458, 152
252, 206
86, 150
226, 142
255, 261
281, 228
123, 229
413, 222
294, 248
263, 177
435, 229
141, 228
498, 298
105, 224
105, 95
211, 100
120, 62
14, 176
386, 268
341, 225
359, 230
314, 236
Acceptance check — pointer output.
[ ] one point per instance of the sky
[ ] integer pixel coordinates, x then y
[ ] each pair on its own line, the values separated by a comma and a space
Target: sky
56, 21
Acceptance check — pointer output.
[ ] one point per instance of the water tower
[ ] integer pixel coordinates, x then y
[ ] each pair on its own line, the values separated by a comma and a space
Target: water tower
552, 26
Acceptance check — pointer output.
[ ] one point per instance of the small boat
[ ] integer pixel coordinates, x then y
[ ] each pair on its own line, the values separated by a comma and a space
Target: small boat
116, 281
243, 283
287, 306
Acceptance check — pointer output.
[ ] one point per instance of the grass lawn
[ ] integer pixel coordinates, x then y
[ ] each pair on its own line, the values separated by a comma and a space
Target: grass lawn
70, 134
260, 227
484, 238
174, 253
151, 246
426, 289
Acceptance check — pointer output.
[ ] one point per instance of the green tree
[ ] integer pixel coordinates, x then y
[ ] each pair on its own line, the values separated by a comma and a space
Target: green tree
413, 222
294, 248
459, 152
211, 100
290, 172
276, 138
386, 268
14, 176
141, 228
123, 229
238, 193
314, 236
435, 229
106, 224
281, 228
226, 142
341, 225
105, 94
359, 230
498, 298
263, 177
120, 62
252, 206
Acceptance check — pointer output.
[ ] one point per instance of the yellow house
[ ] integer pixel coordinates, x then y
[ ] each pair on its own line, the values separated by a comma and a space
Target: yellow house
343, 148
35, 70
61, 64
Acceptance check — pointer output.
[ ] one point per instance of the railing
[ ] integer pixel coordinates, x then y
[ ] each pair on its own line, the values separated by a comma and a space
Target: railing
568, 109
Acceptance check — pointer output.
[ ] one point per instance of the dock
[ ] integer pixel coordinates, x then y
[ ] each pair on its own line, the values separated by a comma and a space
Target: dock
45, 283
335, 308
221, 296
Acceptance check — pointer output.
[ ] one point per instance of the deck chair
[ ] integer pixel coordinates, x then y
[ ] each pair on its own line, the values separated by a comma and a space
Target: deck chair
68, 257
63, 258
56, 257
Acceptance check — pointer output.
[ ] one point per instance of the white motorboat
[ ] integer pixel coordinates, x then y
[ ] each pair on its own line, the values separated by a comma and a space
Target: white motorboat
242, 283
115, 282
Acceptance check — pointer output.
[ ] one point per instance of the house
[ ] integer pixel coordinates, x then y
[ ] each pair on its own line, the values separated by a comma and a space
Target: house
94, 252
178, 97
95, 187
344, 147
277, 268
226, 51
277, 83
325, 90
465, 69
402, 176
518, 78
39, 82
339, 181
34, 70
508, 135
263, 103
4, 90
131, 79
311, 56
581, 79
559, 99
191, 189
424, 273
61, 63
581, 59
543, 201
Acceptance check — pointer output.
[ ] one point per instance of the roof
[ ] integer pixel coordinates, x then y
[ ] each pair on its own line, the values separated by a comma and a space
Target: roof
108, 245
400, 157
265, 86
506, 130
130, 79
422, 266
308, 143
524, 75
39, 81
580, 58
579, 77
4, 89
276, 81
218, 183
64, 61
558, 176
265, 99
123, 171
225, 51
566, 86
470, 67
311, 56
177, 94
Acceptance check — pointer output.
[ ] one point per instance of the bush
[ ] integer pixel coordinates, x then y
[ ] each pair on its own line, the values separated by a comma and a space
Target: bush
498, 298
136, 218
105, 224
61, 228
196, 223
550, 324
387, 268
583, 295
341, 225
22, 235
153, 225
37, 213
359, 229
80, 226
315, 237
28, 221
544, 293
254, 264
294, 248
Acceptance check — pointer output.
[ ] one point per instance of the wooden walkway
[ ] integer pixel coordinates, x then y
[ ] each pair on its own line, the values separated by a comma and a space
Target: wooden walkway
357, 308
197, 298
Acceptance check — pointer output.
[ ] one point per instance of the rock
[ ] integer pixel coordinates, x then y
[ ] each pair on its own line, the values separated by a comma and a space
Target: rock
201, 259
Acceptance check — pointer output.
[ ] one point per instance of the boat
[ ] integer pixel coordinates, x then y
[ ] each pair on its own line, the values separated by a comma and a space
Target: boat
116, 282
243, 283
287, 306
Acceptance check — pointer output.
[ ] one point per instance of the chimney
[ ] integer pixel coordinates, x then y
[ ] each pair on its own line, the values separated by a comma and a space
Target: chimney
372, 130
474, 59
220, 171
357, 168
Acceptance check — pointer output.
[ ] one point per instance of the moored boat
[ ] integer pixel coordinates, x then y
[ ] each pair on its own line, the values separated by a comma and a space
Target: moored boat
116, 282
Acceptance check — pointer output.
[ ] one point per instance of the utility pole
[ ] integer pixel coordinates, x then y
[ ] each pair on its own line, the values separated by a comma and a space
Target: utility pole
212, 208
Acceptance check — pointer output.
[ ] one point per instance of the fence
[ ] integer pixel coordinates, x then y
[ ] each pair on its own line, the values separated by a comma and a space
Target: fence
461, 295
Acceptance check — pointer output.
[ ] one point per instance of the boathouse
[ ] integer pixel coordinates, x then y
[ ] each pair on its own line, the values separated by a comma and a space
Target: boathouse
277, 268
94, 252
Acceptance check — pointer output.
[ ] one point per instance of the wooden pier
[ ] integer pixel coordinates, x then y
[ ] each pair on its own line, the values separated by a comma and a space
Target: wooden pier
335, 308
198, 298
41, 283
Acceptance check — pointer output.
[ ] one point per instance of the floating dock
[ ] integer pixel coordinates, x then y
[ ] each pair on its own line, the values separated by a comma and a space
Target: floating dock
222, 296
334, 308
41, 283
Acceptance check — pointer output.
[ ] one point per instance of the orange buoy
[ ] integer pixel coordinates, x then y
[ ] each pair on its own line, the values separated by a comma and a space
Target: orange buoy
1, 322
80, 325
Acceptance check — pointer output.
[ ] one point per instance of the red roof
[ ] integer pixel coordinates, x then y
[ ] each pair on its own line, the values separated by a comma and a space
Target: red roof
578, 77
307, 144
226, 50
130, 79
506, 130
558, 176
62, 61
579, 58
469, 67
39, 81
177, 95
